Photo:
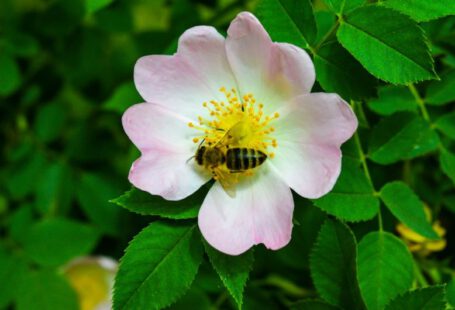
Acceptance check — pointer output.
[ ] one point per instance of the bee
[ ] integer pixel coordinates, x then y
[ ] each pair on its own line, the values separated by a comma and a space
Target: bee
221, 158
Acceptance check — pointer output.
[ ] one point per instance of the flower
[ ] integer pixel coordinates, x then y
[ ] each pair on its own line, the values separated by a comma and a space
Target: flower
93, 279
241, 91
421, 245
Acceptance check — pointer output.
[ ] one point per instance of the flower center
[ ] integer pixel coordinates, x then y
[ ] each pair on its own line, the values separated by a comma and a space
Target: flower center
236, 123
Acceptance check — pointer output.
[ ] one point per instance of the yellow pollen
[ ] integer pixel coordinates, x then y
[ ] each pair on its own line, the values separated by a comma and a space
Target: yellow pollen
235, 121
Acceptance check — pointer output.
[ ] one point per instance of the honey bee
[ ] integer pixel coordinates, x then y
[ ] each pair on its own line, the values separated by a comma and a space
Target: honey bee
222, 157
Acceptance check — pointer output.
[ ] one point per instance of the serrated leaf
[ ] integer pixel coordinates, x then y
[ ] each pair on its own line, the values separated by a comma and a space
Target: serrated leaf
45, 290
333, 266
379, 38
407, 207
352, 198
53, 242
393, 99
443, 91
423, 10
400, 136
384, 269
232, 270
337, 71
288, 21
158, 267
144, 203
446, 124
447, 161
312, 305
429, 298
342, 6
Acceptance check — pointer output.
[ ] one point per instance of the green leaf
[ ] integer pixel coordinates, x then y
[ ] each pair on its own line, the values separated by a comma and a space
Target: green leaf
144, 203
407, 207
158, 267
312, 305
352, 198
393, 99
337, 71
50, 121
53, 192
288, 21
384, 267
95, 5
423, 10
429, 298
450, 291
20, 222
447, 161
403, 135
193, 297
93, 194
53, 242
343, 6
233, 270
333, 266
45, 290
446, 124
12, 270
124, 96
10, 79
443, 91
380, 39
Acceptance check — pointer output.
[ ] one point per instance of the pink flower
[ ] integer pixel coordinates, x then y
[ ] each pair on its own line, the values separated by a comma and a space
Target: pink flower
243, 91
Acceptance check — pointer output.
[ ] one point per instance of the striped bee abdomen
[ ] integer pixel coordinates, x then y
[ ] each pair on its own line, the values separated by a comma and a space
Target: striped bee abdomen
241, 159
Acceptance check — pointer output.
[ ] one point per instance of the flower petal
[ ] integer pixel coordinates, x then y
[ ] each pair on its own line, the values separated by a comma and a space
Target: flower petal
193, 75
273, 72
309, 134
261, 212
164, 139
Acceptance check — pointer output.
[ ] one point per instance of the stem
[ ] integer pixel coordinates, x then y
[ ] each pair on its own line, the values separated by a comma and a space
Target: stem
419, 275
326, 36
286, 286
420, 102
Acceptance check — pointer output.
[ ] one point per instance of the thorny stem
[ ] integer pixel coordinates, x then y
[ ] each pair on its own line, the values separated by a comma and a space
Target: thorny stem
363, 160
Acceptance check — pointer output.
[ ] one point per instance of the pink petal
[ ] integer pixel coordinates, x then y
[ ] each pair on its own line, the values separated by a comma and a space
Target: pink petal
182, 82
273, 72
261, 212
309, 134
165, 141
167, 174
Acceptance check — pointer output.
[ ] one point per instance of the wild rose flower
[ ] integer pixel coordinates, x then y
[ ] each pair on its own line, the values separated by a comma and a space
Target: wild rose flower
243, 91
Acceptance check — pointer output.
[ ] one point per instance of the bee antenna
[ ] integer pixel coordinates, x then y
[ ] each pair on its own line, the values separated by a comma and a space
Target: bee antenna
188, 160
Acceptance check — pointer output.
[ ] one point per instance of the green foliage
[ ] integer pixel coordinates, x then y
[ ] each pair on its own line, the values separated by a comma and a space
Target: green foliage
339, 72
353, 197
385, 268
443, 91
45, 290
343, 6
446, 124
447, 160
53, 242
11, 272
407, 207
401, 136
158, 267
383, 48
423, 10
312, 305
450, 291
430, 298
143, 203
233, 270
392, 99
333, 266
46, 130
10, 79
122, 98
95, 5
288, 21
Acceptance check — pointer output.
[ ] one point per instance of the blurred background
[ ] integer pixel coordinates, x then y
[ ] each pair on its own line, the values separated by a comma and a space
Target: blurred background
66, 77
